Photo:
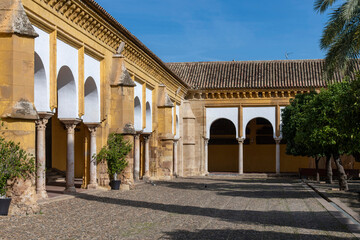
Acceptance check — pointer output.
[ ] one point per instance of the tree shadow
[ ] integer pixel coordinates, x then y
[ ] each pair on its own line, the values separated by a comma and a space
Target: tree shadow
243, 234
310, 220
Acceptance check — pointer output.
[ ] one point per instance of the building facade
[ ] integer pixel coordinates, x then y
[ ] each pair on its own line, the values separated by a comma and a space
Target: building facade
71, 75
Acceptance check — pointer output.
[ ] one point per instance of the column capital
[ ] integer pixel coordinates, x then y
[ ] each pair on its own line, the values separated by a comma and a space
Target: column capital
240, 140
146, 136
277, 139
206, 139
176, 139
92, 128
70, 123
43, 119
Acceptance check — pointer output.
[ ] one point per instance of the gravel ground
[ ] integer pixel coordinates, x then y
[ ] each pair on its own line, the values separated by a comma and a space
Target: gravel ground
192, 208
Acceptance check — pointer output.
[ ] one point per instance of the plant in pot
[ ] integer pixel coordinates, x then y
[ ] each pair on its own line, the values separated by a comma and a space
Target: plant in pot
14, 163
114, 153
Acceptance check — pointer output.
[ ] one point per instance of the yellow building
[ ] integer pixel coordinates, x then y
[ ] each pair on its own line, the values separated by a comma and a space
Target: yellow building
71, 74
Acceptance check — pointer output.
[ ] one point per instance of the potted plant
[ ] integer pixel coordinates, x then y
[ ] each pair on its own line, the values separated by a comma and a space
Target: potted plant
114, 153
14, 162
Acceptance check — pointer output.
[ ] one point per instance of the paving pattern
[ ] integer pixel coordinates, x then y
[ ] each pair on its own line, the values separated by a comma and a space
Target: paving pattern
192, 208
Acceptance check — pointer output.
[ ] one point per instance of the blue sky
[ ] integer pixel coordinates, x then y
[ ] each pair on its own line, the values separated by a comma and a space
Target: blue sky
222, 30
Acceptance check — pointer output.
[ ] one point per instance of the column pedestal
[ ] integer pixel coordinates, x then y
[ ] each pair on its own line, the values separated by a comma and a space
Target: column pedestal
241, 155
41, 154
70, 125
277, 141
93, 182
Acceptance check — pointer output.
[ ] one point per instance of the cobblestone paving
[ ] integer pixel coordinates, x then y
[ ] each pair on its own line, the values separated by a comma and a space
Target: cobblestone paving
193, 208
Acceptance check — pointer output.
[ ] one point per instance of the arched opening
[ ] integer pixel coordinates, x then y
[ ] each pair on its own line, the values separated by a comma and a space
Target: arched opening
148, 117
137, 114
91, 97
67, 97
40, 85
259, 146
223, 147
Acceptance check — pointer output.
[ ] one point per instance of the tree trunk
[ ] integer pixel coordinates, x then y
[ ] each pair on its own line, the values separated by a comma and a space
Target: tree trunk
317, 159
343, 185
329, 170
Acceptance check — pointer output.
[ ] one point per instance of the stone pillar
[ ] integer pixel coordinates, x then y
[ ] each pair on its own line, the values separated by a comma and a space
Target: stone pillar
147, 156
189, 120
41, 154
206, 154
93, 182
175, 158
277, 140
241, 155
137, 156
70, 125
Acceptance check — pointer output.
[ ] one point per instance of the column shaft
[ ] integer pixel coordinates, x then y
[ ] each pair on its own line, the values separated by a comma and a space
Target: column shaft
137, 157
70, 157
147, 156
93, 183
206, 154
241, 155
41, 158
175, 165
277, 140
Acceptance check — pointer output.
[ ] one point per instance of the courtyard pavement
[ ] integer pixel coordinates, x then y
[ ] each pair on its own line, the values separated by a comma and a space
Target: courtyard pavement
189, 208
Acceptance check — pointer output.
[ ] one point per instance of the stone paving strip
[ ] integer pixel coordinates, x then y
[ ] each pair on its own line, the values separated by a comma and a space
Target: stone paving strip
186, 208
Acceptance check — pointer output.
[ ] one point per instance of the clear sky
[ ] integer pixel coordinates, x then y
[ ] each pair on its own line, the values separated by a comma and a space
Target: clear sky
222, 30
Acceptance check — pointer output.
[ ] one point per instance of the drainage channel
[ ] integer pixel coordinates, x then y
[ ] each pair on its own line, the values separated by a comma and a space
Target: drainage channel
334, 205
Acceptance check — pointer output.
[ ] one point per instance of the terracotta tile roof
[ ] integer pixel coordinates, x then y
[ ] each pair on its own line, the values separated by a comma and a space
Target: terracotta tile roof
252, 74
107, 16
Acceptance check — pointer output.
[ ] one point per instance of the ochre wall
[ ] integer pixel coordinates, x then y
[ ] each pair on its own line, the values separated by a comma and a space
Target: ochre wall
223, 158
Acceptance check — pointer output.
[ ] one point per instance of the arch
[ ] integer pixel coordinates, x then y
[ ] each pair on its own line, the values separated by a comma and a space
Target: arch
213, 114
148, 118
223, 147
41, 93
67, 94
91, 99
259, 146
137, 114
250, 113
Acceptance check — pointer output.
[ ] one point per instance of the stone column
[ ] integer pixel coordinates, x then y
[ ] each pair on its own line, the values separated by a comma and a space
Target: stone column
175, 158
206, 154
241, 155
147, 156
41, 154
277, 140
93, 183
70, 125
137, 156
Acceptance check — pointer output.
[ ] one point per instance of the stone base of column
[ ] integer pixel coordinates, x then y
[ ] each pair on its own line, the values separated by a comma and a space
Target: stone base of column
92, 186
70, 190
42, 194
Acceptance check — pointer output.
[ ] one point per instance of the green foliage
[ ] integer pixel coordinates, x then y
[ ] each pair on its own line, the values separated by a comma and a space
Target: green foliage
341, 35
114, 153
14, 162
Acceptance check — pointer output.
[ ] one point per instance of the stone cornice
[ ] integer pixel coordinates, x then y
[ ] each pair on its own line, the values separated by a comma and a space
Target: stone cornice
91, 19
222, 94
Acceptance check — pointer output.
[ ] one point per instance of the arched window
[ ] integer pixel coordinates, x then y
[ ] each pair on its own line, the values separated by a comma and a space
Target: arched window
67, 97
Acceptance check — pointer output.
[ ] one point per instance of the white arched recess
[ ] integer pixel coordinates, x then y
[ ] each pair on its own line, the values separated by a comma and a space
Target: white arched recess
148, 111
250, 113
91, 90
137, 107
281, 108
67, 80
230, 113
41, 71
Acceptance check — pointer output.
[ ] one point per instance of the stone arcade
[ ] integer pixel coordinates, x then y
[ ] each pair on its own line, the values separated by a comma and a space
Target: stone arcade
71, 74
